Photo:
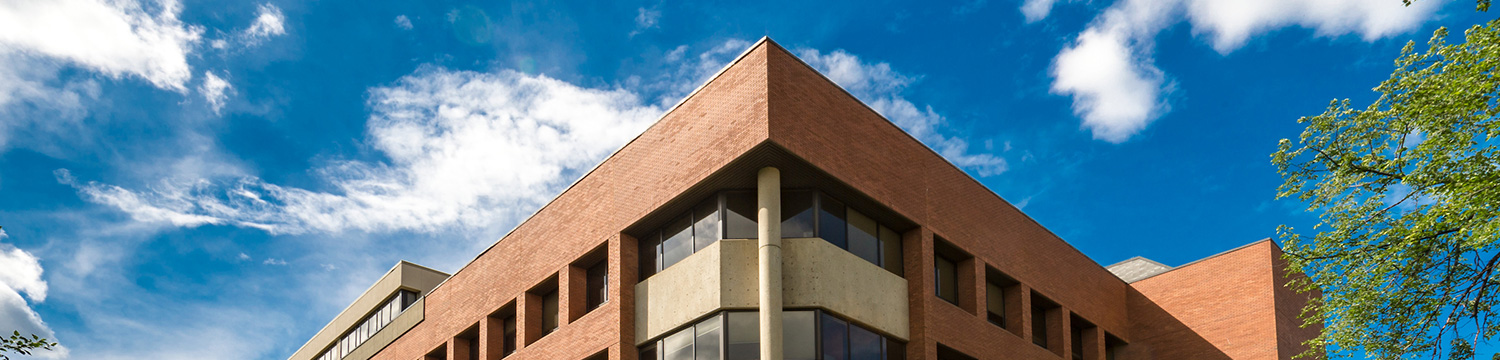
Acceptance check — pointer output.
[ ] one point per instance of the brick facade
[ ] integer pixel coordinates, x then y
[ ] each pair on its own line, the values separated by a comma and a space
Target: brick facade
769, 102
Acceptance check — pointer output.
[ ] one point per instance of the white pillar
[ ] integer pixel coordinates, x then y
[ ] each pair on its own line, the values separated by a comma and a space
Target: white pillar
768, 184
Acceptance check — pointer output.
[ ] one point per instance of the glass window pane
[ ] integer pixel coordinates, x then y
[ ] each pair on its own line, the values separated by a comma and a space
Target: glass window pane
650, 253
995, 303
597, 283
549, 312
1039, 326
508, 343
831, 224
744, 336
890, 249
677, 241
799, 338
862, 237
706, 223
797, 214
740, 215
895, 350
835, 338
679, 346
707, 344
863, 344
947, 280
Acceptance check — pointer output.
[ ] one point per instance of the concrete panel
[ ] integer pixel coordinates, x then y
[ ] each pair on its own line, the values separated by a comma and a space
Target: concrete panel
404, 275
679, 294
818, 274
403, 322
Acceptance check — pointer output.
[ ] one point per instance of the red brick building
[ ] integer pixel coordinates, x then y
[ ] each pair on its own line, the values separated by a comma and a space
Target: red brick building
884, 250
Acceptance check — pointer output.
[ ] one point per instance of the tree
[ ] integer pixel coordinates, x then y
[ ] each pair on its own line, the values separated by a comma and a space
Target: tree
22, 345
1406, 253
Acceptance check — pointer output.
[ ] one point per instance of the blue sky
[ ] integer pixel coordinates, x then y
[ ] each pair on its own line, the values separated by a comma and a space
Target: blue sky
216, 180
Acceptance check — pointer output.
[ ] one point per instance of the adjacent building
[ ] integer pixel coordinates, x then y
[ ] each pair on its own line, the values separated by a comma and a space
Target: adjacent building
771, 215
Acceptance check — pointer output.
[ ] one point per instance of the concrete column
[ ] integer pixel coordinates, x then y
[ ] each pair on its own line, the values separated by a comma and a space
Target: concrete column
768, 184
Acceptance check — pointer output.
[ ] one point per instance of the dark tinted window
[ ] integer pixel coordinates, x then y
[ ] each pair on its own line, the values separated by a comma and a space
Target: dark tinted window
835, 338
598, 284
895, 350
648, 352
797, 214
740, 215
947, 279
508, 343
890, 251
1038, 325
549, 311
650, 254
831, 222
863, 344
947, 353
995, 303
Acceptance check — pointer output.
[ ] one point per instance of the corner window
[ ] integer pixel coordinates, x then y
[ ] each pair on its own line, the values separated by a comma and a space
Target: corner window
806, 335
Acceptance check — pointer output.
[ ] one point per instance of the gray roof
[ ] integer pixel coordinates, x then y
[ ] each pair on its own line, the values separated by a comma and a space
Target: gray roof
1137, 268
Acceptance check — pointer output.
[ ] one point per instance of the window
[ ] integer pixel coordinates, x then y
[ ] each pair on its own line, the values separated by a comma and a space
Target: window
832, 221
1112, 346
508, 340
743, 340
597, 284
947, 353
804, 214
864, 237
805, 333
835, 338
797, 214
996, 287
549, 311
1040, 307
946, 279
371, 324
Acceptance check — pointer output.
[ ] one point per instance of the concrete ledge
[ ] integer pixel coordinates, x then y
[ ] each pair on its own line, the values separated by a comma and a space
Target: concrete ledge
816, 274
405, 321
722, 275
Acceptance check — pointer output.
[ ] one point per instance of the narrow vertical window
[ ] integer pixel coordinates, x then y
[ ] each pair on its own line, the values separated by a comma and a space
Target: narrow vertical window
677, 241
508, 342
994, 303
1038, 324
706, 223
597, 284
648, 352
650, 255
797, 214
549, 311
707, 343
835, 338
946, 279
832, 221
864, 238
895, 350
890, 251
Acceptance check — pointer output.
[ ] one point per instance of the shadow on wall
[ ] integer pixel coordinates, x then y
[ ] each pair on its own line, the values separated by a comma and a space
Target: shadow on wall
1159, 335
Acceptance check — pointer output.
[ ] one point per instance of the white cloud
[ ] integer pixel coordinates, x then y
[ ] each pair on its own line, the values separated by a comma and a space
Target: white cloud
1116, 88
268, 22
466, 149
274, 261
21, 273
645, 19
115, 38
215, 90
403, 22
879, 86
1036, 9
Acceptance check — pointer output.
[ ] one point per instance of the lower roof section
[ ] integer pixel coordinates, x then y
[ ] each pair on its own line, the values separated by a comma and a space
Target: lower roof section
403, 276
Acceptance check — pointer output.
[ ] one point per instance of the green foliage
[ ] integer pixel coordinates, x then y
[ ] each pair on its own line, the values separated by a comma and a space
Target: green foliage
22, 345
1405, 255
1480, 5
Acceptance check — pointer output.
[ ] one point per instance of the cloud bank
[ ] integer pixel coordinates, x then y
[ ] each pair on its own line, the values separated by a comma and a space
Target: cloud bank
1109, 70
21, 273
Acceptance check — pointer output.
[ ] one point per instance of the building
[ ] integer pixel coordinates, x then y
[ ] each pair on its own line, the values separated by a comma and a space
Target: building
884, 250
